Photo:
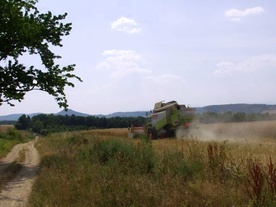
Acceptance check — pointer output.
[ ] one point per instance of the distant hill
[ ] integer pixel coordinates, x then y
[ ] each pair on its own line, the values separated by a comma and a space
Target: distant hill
234, 108
71, 112
11, 117
127, 114
15, 117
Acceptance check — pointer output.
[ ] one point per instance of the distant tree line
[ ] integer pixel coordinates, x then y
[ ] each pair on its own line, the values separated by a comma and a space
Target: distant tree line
45, 124
7, 122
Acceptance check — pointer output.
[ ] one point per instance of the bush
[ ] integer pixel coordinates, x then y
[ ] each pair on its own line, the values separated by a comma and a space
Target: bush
114, 152
11, 137
12, 134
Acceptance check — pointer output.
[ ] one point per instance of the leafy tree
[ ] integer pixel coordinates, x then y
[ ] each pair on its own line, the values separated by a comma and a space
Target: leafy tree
23, 122
24, 31
37, 126
239, 117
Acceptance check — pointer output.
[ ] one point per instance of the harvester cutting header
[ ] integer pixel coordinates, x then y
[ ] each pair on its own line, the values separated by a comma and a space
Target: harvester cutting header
165, 120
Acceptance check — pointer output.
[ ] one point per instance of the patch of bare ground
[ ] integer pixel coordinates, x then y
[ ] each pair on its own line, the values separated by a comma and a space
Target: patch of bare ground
17, 174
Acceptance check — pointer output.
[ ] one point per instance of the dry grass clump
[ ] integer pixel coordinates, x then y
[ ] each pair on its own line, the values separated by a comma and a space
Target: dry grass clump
5, 128
120, 132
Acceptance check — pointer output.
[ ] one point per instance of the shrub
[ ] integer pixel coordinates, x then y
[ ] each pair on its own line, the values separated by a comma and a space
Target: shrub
114, 152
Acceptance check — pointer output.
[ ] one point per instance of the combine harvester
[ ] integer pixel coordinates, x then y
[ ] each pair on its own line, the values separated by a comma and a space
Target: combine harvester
165, 120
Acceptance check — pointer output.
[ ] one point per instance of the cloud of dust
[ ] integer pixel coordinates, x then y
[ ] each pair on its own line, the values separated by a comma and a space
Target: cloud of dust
224, 131
196, 132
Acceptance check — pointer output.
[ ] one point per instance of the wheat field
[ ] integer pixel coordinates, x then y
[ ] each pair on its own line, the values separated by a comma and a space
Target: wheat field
214, 165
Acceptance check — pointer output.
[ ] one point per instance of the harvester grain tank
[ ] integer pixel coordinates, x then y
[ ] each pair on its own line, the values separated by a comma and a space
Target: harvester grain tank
165, 119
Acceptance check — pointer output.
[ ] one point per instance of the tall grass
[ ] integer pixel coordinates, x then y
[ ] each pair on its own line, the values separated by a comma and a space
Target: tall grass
104, 168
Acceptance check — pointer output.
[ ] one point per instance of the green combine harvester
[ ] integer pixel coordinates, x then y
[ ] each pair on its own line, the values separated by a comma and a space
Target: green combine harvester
165, 120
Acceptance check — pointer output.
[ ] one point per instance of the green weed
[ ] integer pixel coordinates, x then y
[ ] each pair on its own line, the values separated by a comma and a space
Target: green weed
10, 137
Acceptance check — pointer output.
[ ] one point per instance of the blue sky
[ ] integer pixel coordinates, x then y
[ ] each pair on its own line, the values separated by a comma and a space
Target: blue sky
131, 54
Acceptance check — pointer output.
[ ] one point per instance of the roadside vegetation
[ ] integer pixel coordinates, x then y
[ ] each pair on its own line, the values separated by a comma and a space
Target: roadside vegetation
105, 168
10, 136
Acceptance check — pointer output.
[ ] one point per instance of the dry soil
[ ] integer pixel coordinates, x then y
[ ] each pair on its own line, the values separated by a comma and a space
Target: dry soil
16, 192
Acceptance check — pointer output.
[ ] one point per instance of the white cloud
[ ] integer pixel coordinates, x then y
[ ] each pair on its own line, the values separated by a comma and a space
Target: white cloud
122, 63
225, 68
101, 89
164, 78
126, 25
235, 14
255, 63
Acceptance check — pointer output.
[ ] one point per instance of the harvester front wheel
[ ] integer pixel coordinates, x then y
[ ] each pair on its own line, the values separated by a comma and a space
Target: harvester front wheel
151, 133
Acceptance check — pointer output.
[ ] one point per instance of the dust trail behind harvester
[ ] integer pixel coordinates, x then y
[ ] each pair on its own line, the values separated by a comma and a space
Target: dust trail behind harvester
198, 132
230, 131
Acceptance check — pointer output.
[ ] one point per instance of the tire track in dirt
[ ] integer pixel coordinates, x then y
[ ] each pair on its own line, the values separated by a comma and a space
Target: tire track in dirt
16, 192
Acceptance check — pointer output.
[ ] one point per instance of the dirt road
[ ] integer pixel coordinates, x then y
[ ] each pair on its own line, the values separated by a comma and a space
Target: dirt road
15, 193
